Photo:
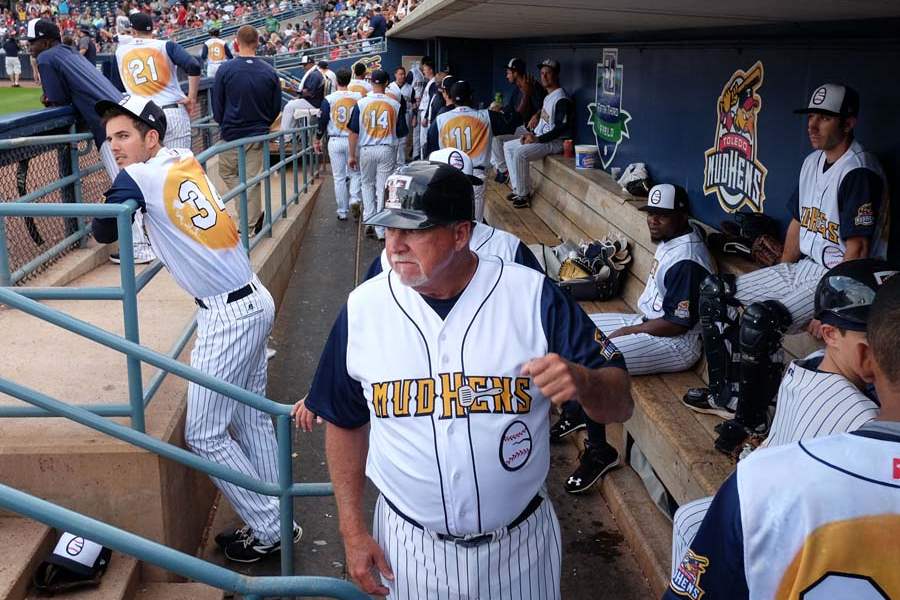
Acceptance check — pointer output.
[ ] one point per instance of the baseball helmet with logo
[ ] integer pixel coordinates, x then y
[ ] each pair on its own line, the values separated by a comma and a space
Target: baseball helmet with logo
425, 194
846, 292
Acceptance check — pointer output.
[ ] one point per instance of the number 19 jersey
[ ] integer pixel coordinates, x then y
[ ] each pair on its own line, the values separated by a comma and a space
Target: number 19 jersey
187, 224
340, 107
147, 71
468, 130
378, 115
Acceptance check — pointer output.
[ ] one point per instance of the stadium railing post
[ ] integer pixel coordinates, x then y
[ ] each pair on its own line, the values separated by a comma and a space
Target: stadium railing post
129, 308
286, 500
81, 222
267, 166
304, 137
5, 277
242, 177
283, 173
295, 170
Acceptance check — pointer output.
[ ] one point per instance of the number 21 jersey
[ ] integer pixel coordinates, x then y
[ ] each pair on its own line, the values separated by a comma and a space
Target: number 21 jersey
146, 70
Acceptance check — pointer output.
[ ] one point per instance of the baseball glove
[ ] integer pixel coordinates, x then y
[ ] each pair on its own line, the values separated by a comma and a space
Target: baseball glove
574, 268
766, 250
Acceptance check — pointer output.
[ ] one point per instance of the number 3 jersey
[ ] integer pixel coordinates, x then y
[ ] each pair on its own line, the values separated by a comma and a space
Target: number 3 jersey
336, 110
148, 68
186, 222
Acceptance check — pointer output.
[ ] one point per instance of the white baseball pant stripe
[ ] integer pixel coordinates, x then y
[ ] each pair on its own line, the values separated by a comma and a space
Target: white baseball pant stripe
178, 128
645, 353
792, 284
498, 158
375, 165
523, 562
518, 155
140, 244
479, 195
401, 153
211, 68
355, 185
415, 132
685, 526
231, 346
339, 153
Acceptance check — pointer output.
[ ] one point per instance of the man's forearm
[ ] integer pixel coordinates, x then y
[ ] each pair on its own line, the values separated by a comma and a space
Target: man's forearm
657, 327
605, 394
856, 247
791, 251
354, 137
346, 450
193, 87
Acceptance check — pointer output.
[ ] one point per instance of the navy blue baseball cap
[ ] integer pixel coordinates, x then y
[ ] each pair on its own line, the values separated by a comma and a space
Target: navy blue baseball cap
425, 194
380, 77
140, 108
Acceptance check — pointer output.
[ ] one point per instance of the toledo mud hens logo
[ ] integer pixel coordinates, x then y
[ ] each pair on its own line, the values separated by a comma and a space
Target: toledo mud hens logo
732, 170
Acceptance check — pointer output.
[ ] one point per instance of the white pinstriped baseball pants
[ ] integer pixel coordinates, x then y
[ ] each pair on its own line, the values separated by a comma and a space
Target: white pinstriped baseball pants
178, 128
231, 345
645, 353
518, 155
498, 158
685, 525
520, 563
339, 153
375, 165
140, 244
479, 195
792, 284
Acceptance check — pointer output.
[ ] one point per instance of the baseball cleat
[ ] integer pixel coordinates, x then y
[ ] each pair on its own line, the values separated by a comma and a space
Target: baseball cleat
733, 436
249, 549
370, 231
355, 210
521, 202
511, 196
229, 536
701, 400
341, 216
565, 426
595, 463
501, 177
138, 260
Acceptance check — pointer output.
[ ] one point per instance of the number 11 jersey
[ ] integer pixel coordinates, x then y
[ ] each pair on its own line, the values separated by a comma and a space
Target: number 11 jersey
468, 130
147, 69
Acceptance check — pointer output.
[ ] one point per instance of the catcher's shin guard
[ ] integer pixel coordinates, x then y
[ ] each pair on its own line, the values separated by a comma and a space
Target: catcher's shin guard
763, 325
717, 328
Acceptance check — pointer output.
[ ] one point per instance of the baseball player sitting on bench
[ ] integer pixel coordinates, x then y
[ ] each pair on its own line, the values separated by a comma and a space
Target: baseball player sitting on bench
448, 420
197, 241
825, 393
665, 337
793, 521
839, 213
486, 240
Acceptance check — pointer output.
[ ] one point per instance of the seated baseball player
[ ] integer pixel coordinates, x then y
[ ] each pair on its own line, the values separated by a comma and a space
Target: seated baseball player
665, 337
816, 518
837, 216
825, 393
486, 240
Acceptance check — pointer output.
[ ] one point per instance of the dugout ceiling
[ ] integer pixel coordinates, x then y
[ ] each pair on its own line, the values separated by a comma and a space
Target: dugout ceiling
500, 19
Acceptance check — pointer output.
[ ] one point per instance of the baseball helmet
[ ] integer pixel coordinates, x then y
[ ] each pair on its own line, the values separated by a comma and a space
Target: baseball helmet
424, 194
846, 292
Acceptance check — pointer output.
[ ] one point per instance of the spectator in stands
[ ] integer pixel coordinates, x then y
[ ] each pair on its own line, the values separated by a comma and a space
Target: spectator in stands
814, 519
86, 45
246, 100
552, 124
13, 62
377, 24
522, 102
69, 79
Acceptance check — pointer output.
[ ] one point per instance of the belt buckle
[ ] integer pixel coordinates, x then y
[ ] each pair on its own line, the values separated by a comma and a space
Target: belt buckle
471, 541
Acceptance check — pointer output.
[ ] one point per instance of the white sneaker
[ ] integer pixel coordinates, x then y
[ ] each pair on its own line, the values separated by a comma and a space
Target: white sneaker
270, 352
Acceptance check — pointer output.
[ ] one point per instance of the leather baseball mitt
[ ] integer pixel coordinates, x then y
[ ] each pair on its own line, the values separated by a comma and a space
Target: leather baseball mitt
766, 250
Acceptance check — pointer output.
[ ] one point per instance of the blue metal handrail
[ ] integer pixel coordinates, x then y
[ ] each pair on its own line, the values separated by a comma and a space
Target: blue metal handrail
351, 49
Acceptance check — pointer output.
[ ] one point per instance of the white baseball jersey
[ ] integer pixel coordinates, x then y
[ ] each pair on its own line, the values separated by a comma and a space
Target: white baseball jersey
814, 520
340, 108
820, 221
146, 70
215, 51
689, 246
360, 86
378, 114
468, 130
396, 92
548, 111
425, 101
187, 223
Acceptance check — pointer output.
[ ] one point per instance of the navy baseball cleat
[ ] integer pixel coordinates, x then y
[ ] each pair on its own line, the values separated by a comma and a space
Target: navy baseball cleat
595, 462
225, 538
701, 400
249, 549
521, 201
565, 426
501, 177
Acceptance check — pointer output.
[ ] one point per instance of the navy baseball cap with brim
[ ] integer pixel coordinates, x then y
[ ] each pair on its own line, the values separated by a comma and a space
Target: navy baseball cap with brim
379, 77
141, 22
42, 29
425, 194
666, 198
516, 64
140, 108
833, 99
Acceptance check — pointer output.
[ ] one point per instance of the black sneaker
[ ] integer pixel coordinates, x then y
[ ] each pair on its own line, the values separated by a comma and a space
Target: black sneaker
566, 425
370, 232
511, 196
232, 535
701, 400
501, 177
250, 550
521, 202
733, 435
595, 463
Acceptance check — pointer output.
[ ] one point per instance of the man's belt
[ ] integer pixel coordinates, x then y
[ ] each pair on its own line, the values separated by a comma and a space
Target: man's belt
232, 296
175, 105
470, 541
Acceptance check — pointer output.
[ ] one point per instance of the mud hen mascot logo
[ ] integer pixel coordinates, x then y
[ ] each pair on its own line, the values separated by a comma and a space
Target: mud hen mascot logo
732, 170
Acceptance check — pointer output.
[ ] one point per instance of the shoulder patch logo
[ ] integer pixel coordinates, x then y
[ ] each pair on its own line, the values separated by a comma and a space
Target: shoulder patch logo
686, 581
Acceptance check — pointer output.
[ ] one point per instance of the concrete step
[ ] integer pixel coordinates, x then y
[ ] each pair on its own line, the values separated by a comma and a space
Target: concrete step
119, 583
25, 544
177, 591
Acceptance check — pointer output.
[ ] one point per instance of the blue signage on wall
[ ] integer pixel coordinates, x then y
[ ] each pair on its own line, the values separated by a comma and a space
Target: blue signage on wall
607, 118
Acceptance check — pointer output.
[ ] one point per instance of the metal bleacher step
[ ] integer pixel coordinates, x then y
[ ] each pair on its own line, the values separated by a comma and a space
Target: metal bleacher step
25, 544
177, 591
119, 583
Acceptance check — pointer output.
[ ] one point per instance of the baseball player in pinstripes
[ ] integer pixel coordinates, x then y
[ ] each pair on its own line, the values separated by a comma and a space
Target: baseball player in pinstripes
825, 393
839, 213
362, 87
664, 337
358, 83
816, 519
375, 125
335, 120
486, 240
214, 52
401, 89
460, 459
198, 243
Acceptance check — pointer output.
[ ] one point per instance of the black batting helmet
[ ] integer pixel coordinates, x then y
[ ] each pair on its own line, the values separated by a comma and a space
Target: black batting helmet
846, 292
424, 194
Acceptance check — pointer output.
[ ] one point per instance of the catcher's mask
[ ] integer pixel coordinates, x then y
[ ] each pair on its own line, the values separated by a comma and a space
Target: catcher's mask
424, 194
846, 292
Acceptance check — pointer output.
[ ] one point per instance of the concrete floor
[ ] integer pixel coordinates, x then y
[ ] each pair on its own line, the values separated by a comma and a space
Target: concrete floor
597, 562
